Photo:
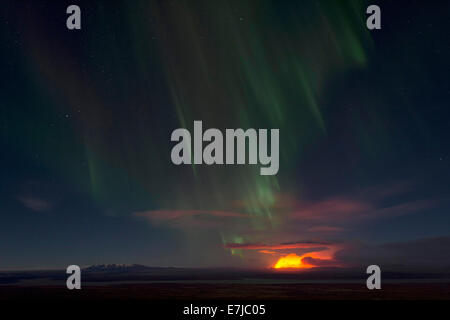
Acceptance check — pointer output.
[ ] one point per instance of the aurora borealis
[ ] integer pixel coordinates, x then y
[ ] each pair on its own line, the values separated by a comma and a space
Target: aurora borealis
86, 118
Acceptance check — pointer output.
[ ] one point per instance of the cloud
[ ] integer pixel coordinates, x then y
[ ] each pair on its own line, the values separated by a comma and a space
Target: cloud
281, 246
39, 196
337, 214
333, 213
268, 251
35, 203
401, 209
317, 262
331, 209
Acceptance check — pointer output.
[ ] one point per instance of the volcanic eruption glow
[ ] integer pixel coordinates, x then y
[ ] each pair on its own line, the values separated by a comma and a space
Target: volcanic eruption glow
292, 261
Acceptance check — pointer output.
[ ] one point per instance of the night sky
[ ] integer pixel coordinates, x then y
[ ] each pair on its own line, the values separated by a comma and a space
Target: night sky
86, 118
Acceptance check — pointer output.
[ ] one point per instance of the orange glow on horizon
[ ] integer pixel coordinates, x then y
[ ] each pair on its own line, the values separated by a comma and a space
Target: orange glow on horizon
292, 261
